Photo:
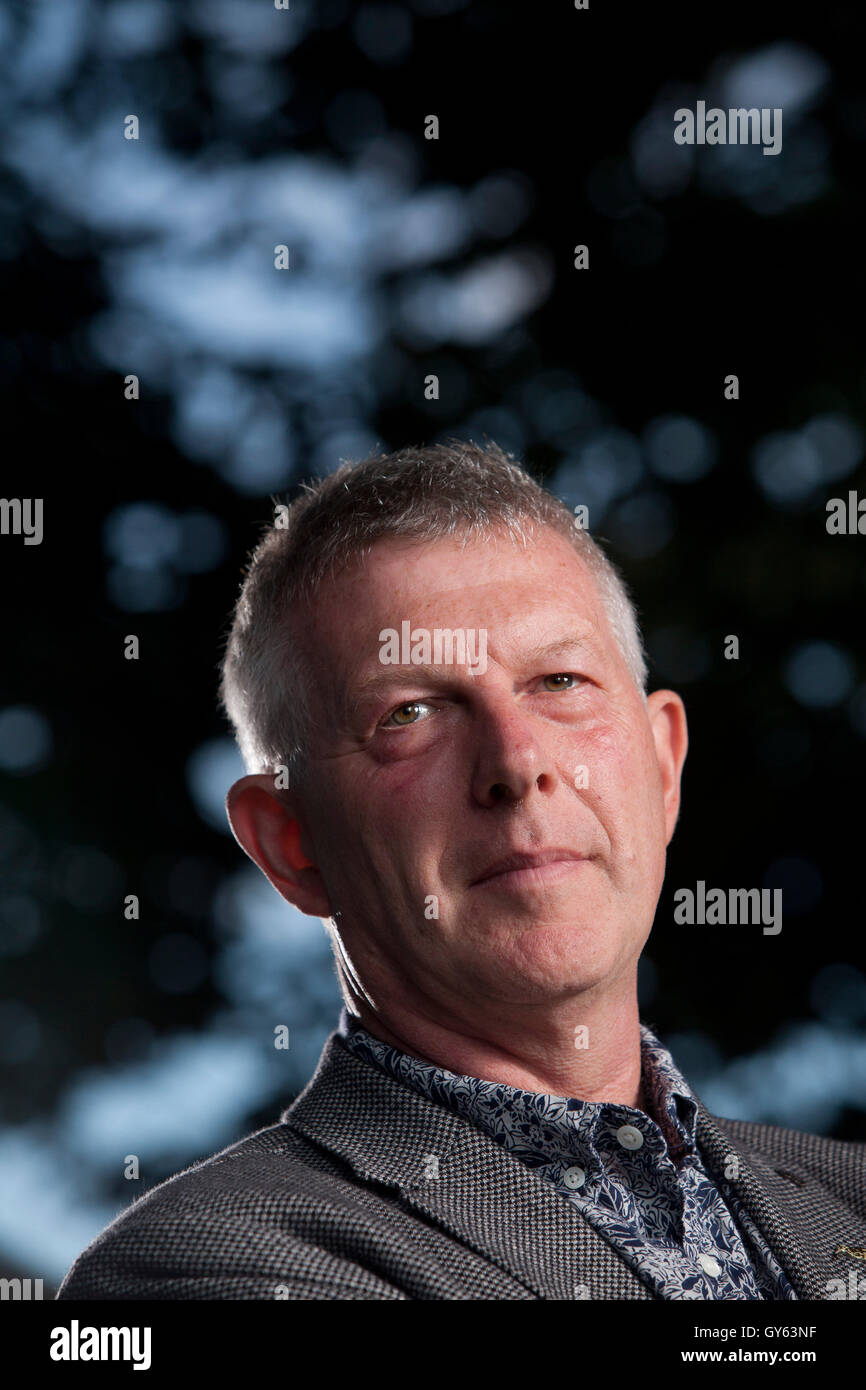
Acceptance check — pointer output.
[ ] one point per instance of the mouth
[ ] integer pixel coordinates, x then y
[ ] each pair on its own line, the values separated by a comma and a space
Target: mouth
544, 867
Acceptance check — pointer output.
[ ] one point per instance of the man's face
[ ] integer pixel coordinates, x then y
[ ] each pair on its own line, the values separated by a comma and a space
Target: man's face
422, 778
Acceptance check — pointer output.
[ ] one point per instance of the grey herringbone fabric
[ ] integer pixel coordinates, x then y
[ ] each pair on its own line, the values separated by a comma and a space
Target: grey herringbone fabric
367, 1190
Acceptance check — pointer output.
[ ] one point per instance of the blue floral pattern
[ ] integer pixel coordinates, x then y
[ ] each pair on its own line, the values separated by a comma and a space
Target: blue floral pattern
636, 1177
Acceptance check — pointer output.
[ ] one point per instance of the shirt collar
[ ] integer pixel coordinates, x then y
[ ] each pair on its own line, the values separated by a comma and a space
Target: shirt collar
531, 1122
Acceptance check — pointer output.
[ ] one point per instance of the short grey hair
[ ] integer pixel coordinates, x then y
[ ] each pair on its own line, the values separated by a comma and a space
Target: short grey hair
426, 493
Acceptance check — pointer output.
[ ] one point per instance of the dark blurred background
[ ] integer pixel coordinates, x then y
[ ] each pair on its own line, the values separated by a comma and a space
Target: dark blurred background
408, 256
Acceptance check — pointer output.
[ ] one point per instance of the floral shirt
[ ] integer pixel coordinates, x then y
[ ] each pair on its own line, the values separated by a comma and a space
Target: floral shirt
638, 1180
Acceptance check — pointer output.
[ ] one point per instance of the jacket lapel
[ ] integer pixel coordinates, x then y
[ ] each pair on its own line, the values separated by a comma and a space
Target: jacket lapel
453, 1174
790, 1249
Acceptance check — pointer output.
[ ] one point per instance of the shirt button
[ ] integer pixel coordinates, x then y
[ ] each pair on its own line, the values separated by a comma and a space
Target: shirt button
629, 1137
709, 1265
574, 1177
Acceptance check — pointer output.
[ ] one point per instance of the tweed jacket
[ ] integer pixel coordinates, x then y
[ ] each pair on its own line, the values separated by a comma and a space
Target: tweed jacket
341, 1200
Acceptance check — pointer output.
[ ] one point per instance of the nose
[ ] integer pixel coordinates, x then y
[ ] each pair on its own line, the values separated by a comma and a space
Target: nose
511, 759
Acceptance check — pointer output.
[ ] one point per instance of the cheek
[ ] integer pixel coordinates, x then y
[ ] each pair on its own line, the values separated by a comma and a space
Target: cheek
413, 802
386, 829
624, 787
614, 766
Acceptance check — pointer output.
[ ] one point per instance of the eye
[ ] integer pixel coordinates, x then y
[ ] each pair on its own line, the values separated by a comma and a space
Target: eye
564, 676
412, 705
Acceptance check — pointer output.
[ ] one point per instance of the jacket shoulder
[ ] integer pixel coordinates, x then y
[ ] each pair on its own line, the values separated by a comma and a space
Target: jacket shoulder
250, 1222
837, 1164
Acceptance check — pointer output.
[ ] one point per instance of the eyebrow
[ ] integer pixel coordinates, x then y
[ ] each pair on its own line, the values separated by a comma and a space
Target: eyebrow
363, 690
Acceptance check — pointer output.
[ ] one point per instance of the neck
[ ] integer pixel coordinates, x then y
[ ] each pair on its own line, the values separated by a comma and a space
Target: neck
586, 1048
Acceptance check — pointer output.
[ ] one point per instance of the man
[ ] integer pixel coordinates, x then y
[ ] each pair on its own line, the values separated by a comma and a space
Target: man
480, 797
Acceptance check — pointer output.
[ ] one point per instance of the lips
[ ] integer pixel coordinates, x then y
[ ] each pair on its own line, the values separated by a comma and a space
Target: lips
525, 861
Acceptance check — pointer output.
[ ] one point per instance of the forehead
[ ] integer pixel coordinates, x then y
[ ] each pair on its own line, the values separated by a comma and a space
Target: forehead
495, 581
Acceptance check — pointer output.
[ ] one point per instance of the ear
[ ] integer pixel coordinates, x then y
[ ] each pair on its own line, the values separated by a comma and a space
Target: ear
667, 715
269, 827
